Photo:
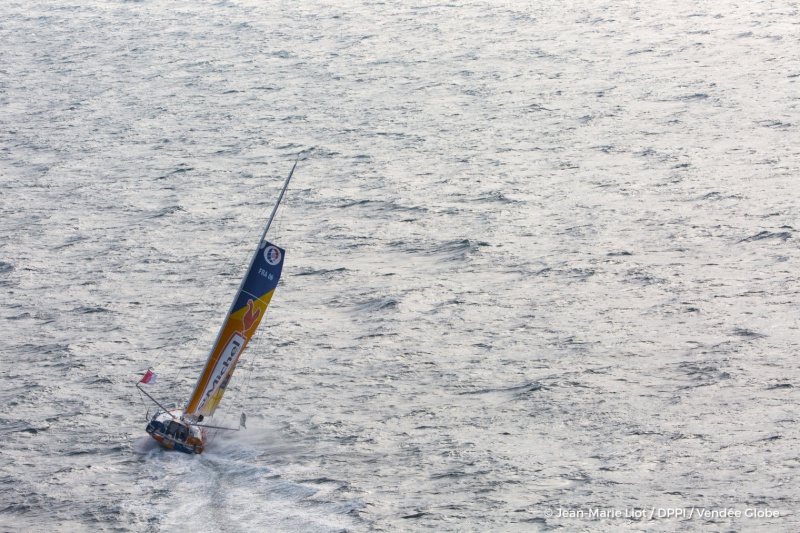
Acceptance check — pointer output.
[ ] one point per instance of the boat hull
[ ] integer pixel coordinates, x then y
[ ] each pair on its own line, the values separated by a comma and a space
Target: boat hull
172, 433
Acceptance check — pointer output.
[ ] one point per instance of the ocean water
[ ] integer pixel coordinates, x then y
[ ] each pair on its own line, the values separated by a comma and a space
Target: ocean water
541, 270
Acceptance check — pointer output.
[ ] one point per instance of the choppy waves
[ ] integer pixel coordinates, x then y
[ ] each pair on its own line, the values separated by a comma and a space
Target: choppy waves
538, 258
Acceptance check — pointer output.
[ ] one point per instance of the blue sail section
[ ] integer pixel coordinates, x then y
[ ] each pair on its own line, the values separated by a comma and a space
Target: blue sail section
263, 276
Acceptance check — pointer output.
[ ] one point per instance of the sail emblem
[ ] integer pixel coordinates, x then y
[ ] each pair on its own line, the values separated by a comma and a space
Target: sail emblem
272, 255
250, 317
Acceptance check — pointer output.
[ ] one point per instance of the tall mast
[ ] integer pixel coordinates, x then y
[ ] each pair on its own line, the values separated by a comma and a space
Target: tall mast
274, 210
260, 245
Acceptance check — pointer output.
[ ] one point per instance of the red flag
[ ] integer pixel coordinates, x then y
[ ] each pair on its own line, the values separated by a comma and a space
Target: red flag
149, 378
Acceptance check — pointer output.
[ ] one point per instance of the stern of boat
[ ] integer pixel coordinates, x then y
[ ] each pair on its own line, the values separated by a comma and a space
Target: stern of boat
173, 433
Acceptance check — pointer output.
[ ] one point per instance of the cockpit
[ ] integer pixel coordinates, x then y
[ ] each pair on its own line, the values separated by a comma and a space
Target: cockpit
177, 431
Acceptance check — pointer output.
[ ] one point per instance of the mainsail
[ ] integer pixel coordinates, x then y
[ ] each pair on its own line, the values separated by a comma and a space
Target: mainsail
248, 308
242, 321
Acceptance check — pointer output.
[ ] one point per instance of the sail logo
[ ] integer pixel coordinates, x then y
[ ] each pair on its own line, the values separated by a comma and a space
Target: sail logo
225, 363
272, 255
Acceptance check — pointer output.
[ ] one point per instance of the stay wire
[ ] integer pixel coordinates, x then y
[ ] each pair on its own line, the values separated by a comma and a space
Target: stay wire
241, 393
240, 245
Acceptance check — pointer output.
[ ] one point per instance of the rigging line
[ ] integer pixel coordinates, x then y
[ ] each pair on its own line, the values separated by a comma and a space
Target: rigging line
280, 206
261, 244
240, 393
248, 365
238, 247
281, 210
249, 372
144, 404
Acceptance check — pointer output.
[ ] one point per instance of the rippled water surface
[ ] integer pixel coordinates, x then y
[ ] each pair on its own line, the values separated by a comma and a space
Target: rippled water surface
541, 260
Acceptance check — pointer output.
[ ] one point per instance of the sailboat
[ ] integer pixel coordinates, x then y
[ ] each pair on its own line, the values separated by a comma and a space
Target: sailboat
183, 429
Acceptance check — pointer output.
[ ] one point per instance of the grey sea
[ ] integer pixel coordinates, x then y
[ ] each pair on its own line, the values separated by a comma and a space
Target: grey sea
541, 263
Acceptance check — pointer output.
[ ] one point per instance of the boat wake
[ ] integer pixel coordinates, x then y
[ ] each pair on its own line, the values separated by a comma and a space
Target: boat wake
234, 486
144, 445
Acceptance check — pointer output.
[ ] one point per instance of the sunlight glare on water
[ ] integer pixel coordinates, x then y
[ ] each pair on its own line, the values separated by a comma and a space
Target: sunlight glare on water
540, 261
